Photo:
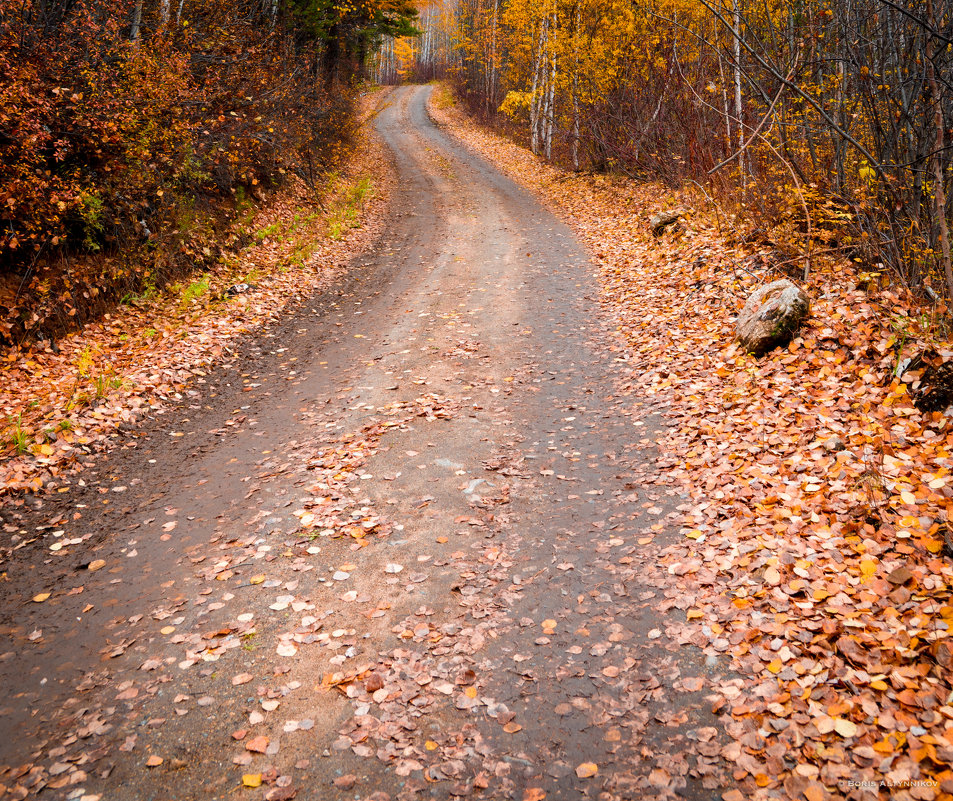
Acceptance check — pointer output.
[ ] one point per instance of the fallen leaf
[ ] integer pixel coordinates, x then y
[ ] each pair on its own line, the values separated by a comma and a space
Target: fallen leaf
844, 727
257, 745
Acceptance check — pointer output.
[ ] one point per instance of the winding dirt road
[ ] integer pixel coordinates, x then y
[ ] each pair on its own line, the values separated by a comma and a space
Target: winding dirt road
405, 549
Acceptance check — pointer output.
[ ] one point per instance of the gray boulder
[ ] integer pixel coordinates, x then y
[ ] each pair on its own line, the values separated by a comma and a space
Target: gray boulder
771, 316
663, 219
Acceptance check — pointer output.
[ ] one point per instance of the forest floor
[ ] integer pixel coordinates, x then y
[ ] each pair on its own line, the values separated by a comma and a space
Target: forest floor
498, 512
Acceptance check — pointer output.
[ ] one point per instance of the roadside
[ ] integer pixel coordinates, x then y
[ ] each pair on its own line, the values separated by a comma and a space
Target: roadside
61, 403
813, 546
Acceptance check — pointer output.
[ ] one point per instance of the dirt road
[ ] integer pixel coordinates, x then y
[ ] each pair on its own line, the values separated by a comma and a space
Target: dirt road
405, 549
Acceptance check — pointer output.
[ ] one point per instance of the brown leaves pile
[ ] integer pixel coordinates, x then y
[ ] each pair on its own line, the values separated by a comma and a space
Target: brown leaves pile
814, 546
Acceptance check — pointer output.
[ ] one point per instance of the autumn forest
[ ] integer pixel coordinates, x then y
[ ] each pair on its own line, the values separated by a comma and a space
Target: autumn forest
476, 399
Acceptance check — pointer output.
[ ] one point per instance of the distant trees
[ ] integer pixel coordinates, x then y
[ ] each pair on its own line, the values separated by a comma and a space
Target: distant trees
419, 54
829, 118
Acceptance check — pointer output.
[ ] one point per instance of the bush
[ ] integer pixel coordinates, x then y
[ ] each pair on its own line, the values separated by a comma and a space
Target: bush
124, 122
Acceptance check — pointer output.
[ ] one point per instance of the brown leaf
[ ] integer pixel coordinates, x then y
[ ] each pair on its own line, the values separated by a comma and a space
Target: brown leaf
587, 770
901, 575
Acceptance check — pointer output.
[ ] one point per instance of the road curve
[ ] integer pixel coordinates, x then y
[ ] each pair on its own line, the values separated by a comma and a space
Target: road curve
482, 517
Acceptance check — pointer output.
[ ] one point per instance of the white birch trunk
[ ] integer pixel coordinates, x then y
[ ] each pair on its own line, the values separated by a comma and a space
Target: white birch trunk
551, 100
736, 23
136, 22
539, 76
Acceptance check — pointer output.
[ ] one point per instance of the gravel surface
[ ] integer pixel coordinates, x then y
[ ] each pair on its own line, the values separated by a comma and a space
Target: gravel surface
405, 548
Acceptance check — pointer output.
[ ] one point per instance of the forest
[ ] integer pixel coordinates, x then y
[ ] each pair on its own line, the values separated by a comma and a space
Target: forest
127, 127
821, 125
826, 121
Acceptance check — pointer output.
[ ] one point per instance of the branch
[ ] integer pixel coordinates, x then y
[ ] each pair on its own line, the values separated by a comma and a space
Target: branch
922, 23
874, 163
756, 131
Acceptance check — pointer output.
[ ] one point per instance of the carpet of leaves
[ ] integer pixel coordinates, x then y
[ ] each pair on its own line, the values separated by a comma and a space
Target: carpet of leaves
59, 404
814, 535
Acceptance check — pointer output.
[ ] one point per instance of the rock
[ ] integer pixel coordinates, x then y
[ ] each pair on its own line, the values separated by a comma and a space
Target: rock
771, 316
663, 219
934, 391
239, 289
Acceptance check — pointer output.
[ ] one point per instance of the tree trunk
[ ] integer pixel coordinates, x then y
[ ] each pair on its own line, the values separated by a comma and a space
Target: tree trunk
739, 111
136, 22
539, 77
939, 190
574, 88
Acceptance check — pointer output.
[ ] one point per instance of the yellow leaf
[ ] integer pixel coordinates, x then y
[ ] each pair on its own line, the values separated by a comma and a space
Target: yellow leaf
251, 780
884, 746
470, 692
46, 449
154, 761
256, 579
587, 770
879, 685
430, 745
908, 498
512, 727
166, 629
844, 727
867, 568
693, 614
38, 599
97, 564
775, 666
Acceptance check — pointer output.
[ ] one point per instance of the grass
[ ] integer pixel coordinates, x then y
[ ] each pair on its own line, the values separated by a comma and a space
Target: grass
345, 214
267, 232
196, 289
443, 96
16, 437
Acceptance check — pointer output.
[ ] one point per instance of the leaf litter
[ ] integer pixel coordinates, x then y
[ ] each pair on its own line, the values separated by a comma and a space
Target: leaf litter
814, 545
